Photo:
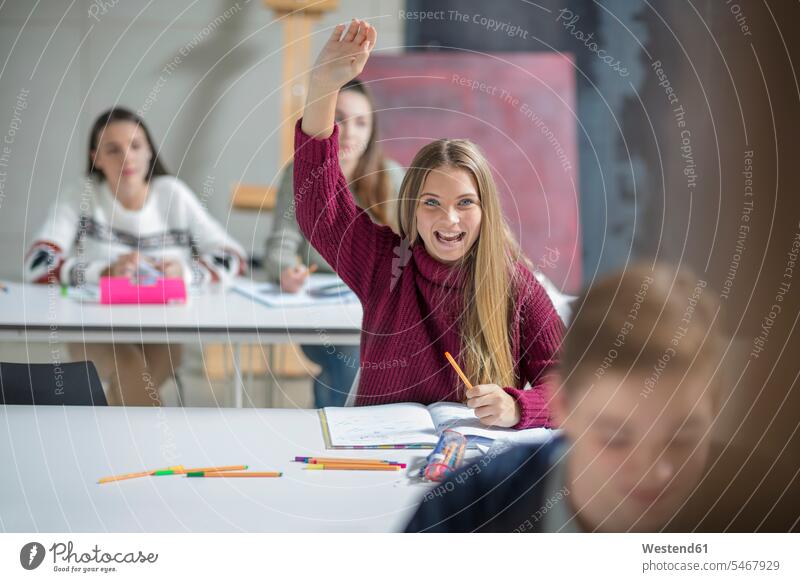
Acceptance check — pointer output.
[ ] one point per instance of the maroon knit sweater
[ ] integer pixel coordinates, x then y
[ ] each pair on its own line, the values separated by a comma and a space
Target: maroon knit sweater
411, 302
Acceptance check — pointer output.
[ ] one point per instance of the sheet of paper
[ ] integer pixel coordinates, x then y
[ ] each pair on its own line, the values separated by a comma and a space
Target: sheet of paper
461, 418
385, 424
271, 295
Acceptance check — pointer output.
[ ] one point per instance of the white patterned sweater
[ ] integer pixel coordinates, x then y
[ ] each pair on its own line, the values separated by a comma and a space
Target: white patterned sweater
87, 229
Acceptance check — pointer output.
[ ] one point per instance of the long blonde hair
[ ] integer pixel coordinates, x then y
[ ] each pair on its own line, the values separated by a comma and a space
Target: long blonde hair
491, 263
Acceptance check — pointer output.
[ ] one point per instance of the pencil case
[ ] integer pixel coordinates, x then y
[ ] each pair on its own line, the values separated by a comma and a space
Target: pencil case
446, 456
121, 290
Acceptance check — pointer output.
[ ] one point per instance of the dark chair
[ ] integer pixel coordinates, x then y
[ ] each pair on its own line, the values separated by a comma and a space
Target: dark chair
72, 384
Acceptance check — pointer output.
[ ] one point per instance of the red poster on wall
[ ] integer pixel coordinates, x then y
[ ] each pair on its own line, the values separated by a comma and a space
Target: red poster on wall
520, 109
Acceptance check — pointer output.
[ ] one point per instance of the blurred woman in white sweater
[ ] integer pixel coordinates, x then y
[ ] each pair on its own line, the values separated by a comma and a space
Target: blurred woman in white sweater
129, 216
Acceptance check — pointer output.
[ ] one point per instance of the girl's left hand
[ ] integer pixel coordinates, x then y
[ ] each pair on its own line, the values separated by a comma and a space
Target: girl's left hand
493, 406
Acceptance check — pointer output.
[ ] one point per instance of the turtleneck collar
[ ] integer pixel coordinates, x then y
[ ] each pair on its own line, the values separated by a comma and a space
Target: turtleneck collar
452, 276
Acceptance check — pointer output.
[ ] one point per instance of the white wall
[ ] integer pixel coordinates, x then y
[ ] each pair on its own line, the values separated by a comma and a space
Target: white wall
215, 115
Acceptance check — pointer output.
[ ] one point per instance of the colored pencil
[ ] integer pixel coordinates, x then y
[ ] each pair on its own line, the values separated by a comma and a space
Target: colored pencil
347, 461
183, 471
336, 463
356, 467
241, 474
459, 456
123, 477
135, 475
460, 372
450, 451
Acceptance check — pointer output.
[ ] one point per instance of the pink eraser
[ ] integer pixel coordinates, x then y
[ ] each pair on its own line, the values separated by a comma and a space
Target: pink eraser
120, 290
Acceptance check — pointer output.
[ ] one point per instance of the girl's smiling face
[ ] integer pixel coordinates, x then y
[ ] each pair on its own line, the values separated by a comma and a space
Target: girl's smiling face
448, 213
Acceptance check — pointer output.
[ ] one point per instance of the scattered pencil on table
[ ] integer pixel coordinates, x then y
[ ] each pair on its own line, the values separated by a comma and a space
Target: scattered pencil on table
353, 467
208, 470
196, 472
235, 474
136, 475
335, 460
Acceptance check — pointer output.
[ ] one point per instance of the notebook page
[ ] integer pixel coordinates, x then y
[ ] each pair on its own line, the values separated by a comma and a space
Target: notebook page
386, 424
461, 418
270, 294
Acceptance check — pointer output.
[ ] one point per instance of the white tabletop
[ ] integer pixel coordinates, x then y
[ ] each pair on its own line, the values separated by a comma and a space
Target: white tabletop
52, 457
39, 313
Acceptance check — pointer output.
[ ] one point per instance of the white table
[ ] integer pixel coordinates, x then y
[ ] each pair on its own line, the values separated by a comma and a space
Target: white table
52, 457
38, 313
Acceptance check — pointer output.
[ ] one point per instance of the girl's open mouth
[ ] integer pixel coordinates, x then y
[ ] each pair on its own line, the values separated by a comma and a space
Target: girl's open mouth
449, 238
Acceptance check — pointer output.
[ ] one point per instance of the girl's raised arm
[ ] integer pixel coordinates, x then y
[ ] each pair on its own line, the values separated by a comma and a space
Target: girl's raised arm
343, 234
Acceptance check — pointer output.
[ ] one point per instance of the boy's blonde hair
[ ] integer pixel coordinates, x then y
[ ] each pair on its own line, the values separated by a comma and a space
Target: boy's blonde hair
489, 291
645, 322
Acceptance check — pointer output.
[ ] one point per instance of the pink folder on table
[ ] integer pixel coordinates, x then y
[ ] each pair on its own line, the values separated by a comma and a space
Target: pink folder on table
119, 290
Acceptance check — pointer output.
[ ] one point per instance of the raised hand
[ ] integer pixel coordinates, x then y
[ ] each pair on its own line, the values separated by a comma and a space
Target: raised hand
344, 55
342, 58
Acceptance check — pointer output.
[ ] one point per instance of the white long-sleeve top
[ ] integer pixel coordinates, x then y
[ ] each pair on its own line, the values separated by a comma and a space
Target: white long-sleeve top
87, 229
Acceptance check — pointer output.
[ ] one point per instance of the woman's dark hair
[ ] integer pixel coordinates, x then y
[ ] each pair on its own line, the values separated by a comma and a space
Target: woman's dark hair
370, 181
121, 114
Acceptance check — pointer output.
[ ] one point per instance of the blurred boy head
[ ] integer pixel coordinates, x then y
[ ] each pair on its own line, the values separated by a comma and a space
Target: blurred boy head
637, 397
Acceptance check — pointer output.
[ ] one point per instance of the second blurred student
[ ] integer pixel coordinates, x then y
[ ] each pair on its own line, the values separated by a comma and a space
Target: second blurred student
375, 181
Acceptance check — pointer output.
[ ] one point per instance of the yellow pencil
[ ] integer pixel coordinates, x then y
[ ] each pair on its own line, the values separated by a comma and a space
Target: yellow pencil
459, 371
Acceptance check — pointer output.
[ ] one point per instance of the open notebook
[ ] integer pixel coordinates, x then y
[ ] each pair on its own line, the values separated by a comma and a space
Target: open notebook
319, 289
412, 425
